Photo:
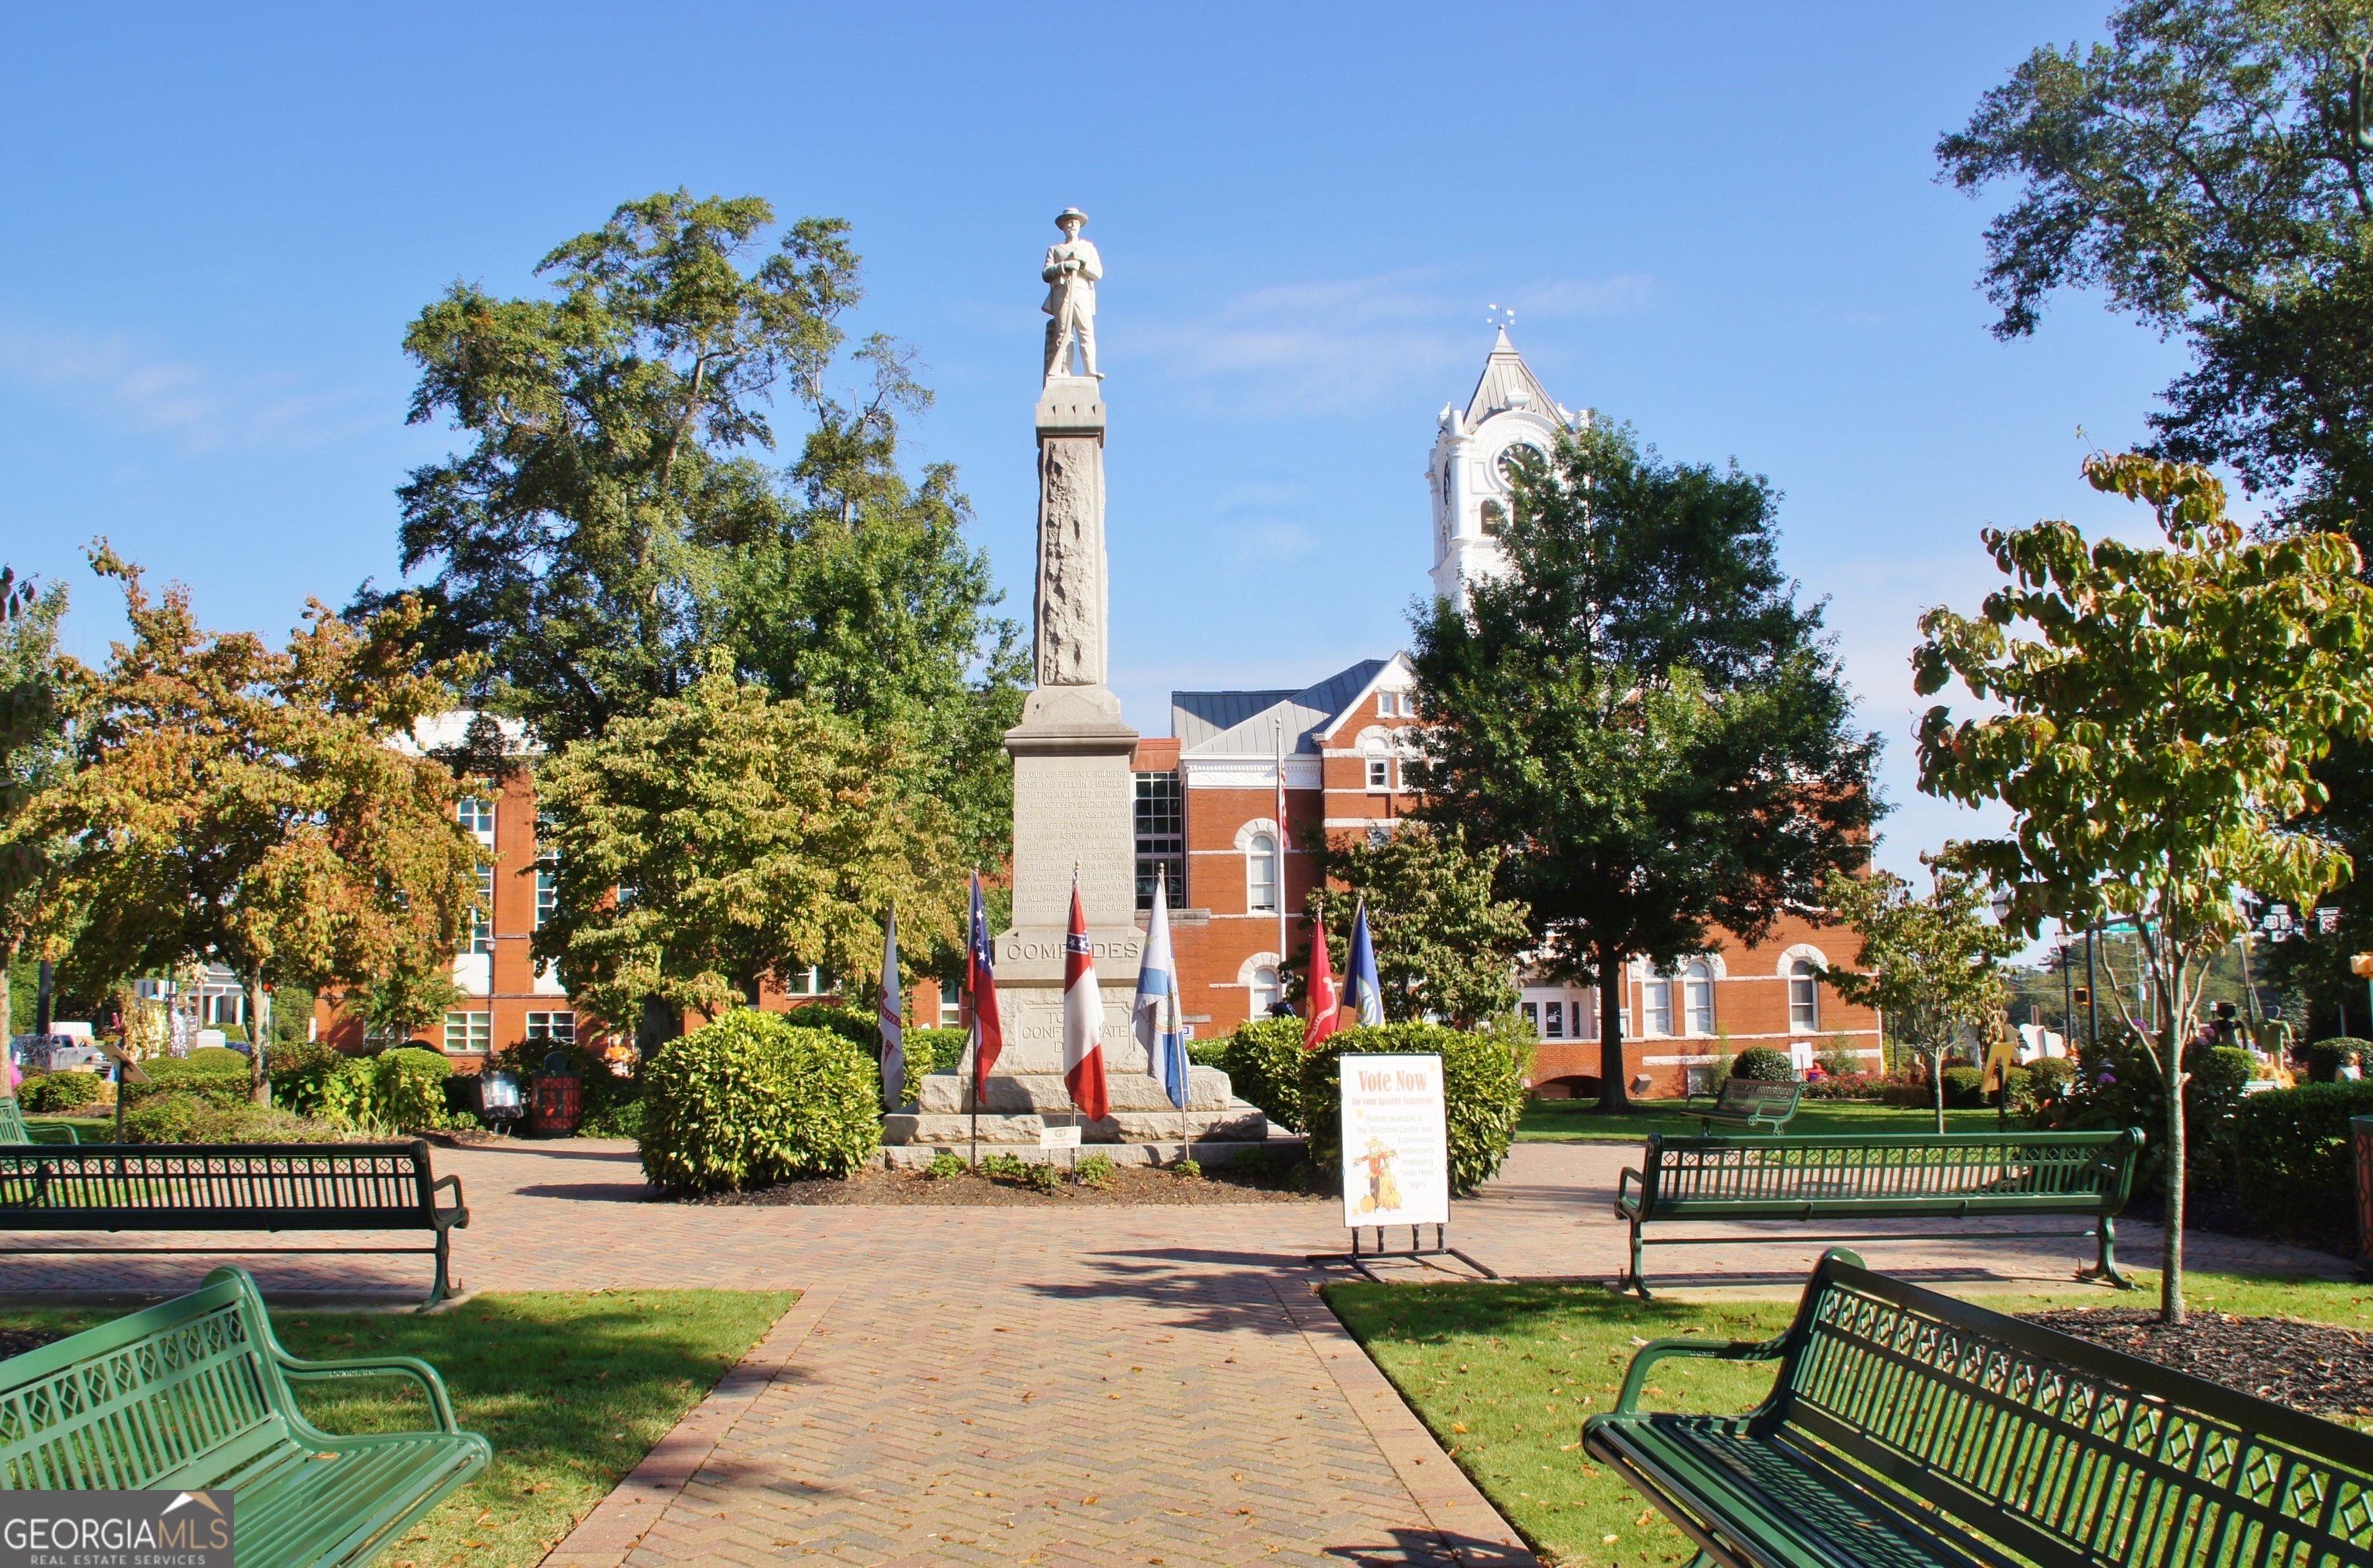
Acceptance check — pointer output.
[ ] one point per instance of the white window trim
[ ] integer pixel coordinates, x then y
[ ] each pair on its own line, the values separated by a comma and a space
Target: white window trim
1252, 881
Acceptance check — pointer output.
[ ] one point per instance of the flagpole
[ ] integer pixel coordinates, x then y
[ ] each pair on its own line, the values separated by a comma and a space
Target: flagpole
1277, 731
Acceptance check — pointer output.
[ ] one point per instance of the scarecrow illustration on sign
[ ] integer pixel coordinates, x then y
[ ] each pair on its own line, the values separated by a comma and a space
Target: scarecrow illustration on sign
1383, 1192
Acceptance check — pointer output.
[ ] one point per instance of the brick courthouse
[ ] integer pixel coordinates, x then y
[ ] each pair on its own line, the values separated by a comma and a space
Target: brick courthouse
1206, 811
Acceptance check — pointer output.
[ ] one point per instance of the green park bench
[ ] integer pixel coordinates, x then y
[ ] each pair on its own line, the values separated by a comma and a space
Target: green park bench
245, 1187
1964, 1175
1751, 1106
14, 1130
194, 1394
1908, 1428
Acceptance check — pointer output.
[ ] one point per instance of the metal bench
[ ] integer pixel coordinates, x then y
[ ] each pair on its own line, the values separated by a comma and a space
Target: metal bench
245, 1187
1962, 1175
194, 1394
1907, 1428
1751, 1106
14, 1130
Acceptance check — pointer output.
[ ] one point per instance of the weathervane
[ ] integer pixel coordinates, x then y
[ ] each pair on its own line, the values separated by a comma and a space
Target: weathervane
1499, 318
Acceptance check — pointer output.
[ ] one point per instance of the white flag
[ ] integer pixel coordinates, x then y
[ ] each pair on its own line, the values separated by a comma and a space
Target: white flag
1154, 1016
894, 1032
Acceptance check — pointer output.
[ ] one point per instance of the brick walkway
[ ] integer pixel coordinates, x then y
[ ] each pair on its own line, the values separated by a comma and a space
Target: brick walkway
1046, 1385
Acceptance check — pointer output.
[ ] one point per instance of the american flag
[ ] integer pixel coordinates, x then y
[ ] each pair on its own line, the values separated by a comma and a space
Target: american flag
980, 979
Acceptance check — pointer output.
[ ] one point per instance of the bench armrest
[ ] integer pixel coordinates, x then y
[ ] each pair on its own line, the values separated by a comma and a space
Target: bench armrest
380, 1366
1623, 1185
457, 1215
1657, 1350
59, 1134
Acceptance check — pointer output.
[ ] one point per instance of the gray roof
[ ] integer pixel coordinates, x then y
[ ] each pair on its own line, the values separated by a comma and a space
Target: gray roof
1240, 723
1505, 372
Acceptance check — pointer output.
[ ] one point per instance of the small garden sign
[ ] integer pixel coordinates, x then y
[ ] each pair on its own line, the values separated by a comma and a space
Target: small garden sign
1396, 1143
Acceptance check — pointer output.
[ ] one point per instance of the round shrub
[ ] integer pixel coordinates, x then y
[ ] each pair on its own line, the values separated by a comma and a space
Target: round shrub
754, 1098
48, 1093
1964, 1087
1761, 1064
1263, 1061
1483, 1093
2292, 1155
2050, 1075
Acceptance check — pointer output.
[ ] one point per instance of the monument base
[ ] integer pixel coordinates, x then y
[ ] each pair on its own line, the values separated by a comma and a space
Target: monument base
1014, 1109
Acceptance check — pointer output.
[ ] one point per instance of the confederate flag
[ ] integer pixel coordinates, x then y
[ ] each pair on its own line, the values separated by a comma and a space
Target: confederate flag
1083, 1016
980, 979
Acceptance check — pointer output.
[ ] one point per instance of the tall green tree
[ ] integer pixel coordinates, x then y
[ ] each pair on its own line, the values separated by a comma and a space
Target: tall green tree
1932, 966
34, 755
256, 807
2208, 167
1640, 719
1446, 943
625, 507
725, 839
2157, 730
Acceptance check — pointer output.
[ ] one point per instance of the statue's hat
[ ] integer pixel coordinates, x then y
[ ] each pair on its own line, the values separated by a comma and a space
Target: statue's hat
1070, 212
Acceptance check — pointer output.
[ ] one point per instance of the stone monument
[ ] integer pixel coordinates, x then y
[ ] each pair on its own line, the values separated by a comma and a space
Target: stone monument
1073, 805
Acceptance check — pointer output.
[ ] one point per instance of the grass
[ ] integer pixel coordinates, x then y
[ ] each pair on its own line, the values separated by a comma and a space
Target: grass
1503, 1375
572, 1391
1578, 1121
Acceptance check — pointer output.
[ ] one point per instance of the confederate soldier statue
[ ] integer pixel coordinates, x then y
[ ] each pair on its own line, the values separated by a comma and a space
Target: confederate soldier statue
1071, 271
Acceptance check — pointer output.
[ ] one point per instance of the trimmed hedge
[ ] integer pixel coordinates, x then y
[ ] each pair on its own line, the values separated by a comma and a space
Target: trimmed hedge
753, 1098
47, 1094
1483, 1093
402, 1089
1761, 1064
203, 1074
2291, 1151
191, 1118
1263, 1061
2324, 1056
927, 1051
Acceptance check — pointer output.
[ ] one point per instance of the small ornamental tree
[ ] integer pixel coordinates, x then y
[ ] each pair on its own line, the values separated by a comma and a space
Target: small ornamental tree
1446, 947
253, 806
721, 839
2156, 737
1931, 965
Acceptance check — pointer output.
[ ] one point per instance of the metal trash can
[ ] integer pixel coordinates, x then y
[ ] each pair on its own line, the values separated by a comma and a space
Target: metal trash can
559, 1098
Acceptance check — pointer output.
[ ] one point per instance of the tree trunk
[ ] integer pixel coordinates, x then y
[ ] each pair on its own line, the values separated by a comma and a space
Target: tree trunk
1937, 1082
1614, 1094
259, 1085
2170, 1279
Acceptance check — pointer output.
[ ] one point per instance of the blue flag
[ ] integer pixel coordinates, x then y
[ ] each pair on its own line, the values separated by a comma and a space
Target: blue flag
1155, 1017
1363, 993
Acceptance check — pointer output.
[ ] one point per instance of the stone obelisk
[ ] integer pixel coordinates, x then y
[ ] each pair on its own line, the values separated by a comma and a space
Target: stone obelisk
1072, 789
1073, 800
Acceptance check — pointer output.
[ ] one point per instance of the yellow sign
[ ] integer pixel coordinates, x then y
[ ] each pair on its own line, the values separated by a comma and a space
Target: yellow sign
2000, 1058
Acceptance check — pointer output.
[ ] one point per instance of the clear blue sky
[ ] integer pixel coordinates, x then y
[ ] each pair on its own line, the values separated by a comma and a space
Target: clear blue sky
1717, 222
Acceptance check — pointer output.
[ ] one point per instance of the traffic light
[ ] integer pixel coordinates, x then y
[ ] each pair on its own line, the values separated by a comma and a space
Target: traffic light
2362, 965
2084, 997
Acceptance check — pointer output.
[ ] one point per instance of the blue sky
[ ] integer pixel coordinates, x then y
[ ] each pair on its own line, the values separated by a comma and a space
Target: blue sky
1717, 222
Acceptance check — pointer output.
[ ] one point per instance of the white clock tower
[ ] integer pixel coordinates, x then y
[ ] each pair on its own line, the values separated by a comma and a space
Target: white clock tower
1468, 475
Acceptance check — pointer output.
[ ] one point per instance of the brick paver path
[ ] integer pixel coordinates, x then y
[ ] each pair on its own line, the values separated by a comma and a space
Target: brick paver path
1057, 1385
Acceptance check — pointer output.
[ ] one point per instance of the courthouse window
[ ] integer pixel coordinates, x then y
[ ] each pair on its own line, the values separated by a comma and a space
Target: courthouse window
1803, 997
1161, 837
1660, 1003
476, 817
1266, 993
550, 1028
1380, 773
1261, 875
1553, 1020
467, 1033
1696, 996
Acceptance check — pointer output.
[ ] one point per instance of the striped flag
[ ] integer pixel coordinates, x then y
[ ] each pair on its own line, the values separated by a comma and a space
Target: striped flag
893, 1031
1156, 1012
980, 979
1325, 1005
1363, 993
1083, 1015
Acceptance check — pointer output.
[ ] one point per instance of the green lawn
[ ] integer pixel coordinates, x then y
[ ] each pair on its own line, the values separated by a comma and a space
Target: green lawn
1569, 1121
1504, 1374
573, 1390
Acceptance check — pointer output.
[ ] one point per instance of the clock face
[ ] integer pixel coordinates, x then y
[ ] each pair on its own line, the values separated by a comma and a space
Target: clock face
1508, 456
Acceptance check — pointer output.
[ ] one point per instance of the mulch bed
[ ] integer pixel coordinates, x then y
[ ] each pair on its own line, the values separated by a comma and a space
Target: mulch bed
2308, 1367
16, 1342
1129, 1184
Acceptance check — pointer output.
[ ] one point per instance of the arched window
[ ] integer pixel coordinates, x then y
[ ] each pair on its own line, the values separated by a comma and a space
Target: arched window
1260, 876
1659, 989
1696, 996
1803, 997
1266, 993
1495, 517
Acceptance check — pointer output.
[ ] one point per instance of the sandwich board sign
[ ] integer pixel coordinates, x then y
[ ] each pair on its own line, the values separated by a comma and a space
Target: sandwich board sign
1396, 1142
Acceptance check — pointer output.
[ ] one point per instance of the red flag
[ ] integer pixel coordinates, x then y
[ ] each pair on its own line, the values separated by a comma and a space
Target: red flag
1325, 1002
1083, 1016
980, 979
